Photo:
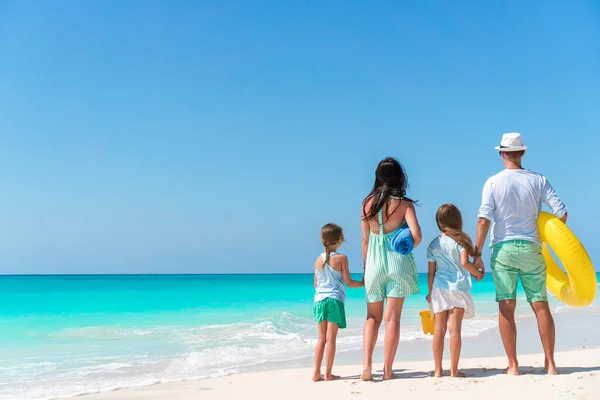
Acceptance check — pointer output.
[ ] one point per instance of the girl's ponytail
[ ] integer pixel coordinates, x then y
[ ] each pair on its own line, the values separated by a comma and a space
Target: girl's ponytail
331, 234
462, 239
449, 220
327, 257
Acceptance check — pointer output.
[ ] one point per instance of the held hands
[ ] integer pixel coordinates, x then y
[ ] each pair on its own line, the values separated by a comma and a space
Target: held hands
478, 276
428, 297
478, 262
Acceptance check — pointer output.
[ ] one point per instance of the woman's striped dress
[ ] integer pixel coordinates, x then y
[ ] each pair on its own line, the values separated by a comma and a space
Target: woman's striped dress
387, 273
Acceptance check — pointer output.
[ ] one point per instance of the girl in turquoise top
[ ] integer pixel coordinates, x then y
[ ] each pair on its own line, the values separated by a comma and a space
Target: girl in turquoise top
389, 275
331, 271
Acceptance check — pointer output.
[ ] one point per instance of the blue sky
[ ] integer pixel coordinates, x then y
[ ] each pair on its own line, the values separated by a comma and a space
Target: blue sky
147, 136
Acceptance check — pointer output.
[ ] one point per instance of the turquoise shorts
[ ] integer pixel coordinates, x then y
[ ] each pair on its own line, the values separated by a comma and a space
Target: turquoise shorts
330, 310
516, 259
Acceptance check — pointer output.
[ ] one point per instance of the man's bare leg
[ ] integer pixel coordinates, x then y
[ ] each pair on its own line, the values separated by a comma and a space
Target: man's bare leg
508, 332
547, 334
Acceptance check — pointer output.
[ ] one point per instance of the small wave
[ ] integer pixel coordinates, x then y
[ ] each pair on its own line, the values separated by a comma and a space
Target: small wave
476, 326
560, 308
103, 332
103, 368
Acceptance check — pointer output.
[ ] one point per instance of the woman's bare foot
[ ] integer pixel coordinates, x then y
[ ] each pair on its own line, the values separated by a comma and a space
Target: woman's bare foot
457, 374
438, 372
366, 375
317, 377
332, 377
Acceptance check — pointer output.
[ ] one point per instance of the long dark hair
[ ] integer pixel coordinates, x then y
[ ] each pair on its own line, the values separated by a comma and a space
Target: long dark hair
390, 181
449, 220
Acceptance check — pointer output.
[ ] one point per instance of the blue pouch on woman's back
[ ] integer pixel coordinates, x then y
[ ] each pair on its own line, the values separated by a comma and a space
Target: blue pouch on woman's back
402, 241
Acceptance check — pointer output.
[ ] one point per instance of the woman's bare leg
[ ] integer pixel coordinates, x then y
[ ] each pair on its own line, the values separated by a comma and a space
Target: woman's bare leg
370, 333
393, 312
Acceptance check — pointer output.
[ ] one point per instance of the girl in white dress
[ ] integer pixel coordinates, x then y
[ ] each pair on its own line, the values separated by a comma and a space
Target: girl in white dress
450, 284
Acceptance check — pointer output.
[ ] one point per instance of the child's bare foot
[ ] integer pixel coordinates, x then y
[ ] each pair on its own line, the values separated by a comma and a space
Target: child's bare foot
366, 375
317, 377
457, 374
332, 377
438, 373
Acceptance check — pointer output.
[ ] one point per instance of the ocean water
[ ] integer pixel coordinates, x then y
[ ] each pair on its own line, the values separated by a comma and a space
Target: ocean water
69, 335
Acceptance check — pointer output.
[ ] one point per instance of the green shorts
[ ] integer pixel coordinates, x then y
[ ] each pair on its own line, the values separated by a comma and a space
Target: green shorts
519, 259
330, 310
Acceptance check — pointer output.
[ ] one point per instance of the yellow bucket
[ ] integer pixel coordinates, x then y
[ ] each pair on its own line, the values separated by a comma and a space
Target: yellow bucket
426, 322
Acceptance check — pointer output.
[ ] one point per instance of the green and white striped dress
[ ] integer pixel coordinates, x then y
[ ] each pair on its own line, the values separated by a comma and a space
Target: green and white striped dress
387, 273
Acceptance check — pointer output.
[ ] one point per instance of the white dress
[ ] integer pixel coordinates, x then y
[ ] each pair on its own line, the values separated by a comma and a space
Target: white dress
442, 300
452, 282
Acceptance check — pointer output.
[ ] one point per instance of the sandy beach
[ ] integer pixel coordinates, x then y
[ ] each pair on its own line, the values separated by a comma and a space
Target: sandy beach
578, 360
579, 379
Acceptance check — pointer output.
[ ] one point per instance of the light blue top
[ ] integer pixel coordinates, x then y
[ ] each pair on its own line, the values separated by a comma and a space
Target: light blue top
330, 283
449, 272
512, 200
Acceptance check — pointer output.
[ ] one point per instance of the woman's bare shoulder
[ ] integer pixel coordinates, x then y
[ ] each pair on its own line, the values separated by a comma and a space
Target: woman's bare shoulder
398, 206
366, 204
409, 207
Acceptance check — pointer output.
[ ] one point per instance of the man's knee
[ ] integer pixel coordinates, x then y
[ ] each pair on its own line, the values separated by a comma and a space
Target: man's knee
541, 308
507, 307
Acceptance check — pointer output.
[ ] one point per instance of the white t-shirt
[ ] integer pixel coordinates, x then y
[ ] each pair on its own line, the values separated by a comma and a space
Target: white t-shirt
512, 200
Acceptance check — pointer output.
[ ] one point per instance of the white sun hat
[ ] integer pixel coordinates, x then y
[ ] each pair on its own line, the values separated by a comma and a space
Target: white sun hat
511, 142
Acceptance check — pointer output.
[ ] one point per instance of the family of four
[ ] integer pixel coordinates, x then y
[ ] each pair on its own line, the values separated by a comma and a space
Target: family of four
511, 203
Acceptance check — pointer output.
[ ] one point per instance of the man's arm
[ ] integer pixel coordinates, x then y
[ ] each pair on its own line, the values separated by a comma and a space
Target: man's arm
564, 217
483, 227
552, 200
486, 214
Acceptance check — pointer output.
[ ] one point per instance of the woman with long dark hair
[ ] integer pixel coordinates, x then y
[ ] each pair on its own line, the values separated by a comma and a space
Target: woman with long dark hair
388, 275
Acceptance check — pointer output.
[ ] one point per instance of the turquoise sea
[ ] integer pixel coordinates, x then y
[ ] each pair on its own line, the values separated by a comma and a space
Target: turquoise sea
68, 335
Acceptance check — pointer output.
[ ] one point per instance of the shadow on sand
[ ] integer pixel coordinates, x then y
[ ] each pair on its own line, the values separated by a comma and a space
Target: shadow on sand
475, 372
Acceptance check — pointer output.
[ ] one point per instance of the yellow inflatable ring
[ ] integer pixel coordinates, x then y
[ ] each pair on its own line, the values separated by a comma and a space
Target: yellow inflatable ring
576, 288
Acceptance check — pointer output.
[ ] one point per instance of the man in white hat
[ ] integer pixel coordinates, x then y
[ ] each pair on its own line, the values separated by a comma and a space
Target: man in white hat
512, 200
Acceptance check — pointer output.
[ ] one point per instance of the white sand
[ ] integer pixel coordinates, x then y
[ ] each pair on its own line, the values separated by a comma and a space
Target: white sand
579, 379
